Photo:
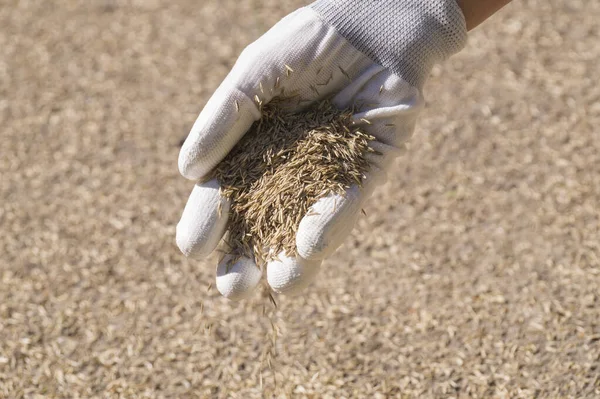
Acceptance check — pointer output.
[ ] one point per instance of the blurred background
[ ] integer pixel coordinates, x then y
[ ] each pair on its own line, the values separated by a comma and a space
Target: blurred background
475, 273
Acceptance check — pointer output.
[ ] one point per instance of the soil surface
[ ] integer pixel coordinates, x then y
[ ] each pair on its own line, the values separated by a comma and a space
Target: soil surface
475, 272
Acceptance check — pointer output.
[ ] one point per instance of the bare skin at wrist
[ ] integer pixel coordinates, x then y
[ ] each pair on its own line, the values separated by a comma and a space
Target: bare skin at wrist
477, 11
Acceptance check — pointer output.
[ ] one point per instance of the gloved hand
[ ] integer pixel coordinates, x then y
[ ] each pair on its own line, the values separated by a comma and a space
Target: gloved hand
373, 54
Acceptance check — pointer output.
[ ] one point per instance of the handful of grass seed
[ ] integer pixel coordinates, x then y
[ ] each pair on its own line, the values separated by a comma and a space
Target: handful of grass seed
281, 167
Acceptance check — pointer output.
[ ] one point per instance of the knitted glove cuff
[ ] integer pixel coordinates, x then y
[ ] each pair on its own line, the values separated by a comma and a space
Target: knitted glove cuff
406, 36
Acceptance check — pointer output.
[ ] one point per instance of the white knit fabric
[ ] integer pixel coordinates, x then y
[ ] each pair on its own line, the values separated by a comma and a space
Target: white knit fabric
202, 225
237, 278
405, 36
290, 276
305, 57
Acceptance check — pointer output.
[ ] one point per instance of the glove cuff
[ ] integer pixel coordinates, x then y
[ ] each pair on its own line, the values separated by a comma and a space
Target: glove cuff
406, 36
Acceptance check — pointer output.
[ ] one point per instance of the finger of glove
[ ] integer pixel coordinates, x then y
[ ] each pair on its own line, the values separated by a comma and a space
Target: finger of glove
256, 77
291, 275
236, 104
327, 223
204, 220
237, 277
228, 114
387, 106
387, 109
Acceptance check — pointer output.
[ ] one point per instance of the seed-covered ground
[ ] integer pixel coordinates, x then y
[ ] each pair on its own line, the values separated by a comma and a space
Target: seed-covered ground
475, 272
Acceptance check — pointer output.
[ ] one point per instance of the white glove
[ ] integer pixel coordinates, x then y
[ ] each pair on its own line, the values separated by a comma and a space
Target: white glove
372, 54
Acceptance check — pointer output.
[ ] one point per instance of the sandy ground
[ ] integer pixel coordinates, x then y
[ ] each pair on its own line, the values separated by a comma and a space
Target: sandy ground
476, 272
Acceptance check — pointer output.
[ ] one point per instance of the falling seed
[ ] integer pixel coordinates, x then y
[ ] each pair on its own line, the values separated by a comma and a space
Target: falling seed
261, 88
237, 106
272, 300
209, 287
363, 212
274, 336
381, 90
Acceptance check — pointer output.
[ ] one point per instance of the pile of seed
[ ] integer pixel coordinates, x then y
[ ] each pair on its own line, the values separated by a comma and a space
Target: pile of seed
281, 167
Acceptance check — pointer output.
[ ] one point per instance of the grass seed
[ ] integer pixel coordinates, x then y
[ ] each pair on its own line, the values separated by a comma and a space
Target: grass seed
281, 167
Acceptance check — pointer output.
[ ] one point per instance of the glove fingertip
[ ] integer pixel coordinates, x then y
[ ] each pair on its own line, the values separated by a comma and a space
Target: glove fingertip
228, 114
237, 277
291, 275
203, 222
329, 221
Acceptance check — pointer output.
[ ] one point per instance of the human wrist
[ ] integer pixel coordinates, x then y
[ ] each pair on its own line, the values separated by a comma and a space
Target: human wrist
477, 11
